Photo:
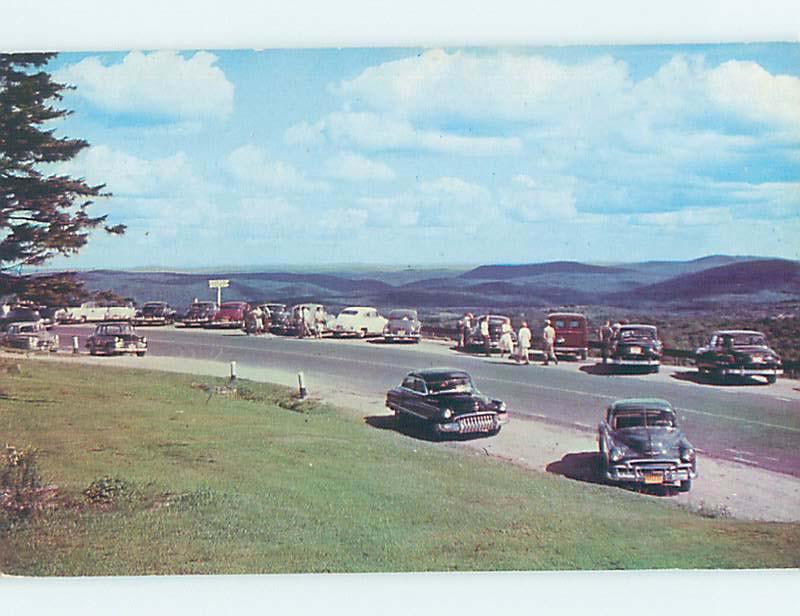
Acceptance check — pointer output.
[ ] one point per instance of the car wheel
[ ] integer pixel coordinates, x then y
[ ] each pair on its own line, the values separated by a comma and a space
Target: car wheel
92, 351
362, 333
771, 379
686, 485
140, 354
655, 369
494, 431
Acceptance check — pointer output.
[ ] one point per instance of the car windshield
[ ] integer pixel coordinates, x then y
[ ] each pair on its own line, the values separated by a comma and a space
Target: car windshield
637, 332
649, 418
117, 330
408, 315
453, 384
744, 339
276, 307
349, 312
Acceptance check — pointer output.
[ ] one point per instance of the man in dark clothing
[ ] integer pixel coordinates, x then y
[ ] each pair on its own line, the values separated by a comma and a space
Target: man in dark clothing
605, 340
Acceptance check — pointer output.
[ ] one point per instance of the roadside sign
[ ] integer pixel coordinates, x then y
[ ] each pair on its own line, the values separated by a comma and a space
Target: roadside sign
219, 285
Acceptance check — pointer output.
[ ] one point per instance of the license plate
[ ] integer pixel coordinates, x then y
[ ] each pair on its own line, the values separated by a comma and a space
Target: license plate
654, 478
636, 350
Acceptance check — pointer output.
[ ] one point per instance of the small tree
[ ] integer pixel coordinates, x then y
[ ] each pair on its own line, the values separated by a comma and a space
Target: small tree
41, 215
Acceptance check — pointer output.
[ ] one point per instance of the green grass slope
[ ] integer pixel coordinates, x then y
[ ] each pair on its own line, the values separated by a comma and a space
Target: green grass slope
262, 484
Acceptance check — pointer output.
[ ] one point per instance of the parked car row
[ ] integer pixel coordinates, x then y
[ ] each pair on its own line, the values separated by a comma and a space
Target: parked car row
639, 440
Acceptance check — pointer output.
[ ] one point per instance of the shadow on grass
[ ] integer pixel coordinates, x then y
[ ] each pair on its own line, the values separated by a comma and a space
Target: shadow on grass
417, 429
694, 376
586, 466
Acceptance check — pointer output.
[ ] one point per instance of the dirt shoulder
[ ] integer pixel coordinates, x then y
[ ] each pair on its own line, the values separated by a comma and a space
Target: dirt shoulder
723, 488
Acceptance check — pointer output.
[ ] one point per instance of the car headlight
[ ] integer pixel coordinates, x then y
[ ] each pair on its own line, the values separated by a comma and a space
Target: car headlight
144, 340
687, 455
501, 406
447, 413
616, 454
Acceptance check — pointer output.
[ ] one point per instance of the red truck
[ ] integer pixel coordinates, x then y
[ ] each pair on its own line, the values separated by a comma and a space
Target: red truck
572, 333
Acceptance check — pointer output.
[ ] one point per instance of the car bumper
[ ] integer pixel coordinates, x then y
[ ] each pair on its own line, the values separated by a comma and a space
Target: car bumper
629, 361
653, 474
225, 324
751, 371
474, 423
397, 336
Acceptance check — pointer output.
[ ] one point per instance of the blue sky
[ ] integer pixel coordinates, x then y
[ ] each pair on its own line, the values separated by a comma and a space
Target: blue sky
438, 156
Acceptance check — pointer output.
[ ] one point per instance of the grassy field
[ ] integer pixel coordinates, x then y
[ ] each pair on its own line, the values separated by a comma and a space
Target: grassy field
262, 484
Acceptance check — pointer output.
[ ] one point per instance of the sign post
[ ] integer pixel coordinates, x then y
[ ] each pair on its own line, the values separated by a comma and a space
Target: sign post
219, 285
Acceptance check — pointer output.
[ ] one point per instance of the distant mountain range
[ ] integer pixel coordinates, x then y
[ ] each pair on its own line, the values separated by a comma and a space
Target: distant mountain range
718, 278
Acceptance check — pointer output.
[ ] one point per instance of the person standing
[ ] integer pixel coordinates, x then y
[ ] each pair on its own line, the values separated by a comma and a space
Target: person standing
605, 340
524, 343
462, 323
319, 321
258, 323
506, 342
549, 335
467, 331
486, 335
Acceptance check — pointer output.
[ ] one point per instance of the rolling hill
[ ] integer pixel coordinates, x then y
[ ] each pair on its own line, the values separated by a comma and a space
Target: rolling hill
682, 284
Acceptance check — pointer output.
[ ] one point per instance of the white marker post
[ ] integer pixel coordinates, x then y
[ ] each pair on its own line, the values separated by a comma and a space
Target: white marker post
301, 383
75, 347
233, 371
219, 285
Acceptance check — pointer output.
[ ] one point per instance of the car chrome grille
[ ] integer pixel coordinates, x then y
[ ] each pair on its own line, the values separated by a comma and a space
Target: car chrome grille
476, 423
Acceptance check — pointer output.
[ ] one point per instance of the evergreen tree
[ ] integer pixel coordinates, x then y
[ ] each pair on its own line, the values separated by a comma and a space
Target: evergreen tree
41, 215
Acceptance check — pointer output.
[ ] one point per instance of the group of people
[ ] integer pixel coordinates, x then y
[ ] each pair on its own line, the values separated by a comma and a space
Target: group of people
257, 321
308, 326
506, 341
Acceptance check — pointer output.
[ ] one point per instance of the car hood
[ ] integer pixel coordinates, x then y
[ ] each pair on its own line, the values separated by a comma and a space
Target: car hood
461, 403
650, 441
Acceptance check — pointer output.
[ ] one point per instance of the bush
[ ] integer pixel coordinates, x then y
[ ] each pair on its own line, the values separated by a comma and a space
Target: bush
21, 492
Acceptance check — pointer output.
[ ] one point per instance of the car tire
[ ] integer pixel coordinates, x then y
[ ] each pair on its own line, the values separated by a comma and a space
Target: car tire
685, 485
92, 351
771, 379
655, 369
140, 354
362, 333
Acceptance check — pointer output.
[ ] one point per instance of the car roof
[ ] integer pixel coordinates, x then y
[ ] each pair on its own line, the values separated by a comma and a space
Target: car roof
632, 325
360, 308
553, 315
731, 332
641, 403
439, 373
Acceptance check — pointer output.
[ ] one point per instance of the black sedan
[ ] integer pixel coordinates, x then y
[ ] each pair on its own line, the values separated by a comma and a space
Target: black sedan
116, 339
640, 443
738, 353
448, 402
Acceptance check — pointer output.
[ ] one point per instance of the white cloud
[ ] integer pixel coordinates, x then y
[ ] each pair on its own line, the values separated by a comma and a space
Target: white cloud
125, 174
373, 131
356, 168
395, 211
748, 89
532, 200
252, 165
163, 82
484, 85
687, 217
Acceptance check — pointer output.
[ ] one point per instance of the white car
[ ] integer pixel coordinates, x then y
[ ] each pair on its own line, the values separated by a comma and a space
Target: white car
94, 311
359, 321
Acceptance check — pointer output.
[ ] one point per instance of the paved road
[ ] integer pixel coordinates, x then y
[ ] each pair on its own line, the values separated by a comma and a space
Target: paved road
758, 425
